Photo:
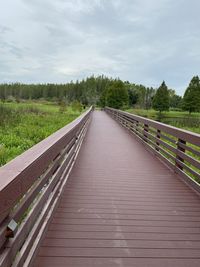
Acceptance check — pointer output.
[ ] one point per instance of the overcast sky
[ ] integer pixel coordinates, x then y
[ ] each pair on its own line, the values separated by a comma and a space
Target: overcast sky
143, 41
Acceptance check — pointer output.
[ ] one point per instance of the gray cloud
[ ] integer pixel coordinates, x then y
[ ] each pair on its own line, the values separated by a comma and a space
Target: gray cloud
143, 41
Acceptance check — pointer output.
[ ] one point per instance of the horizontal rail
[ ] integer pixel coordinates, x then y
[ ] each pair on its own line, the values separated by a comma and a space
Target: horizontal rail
30, 186
179, 149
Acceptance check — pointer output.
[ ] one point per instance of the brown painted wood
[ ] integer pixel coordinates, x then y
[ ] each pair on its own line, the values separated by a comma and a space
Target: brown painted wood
179, 133
175, 154
109, 243
17, 176
160, 236
45, 190
113, 262
122, 207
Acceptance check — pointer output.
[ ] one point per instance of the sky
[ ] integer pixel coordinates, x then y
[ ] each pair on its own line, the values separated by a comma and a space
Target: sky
142, 41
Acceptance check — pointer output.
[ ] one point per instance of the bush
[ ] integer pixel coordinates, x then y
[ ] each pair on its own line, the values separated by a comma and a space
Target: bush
76, 106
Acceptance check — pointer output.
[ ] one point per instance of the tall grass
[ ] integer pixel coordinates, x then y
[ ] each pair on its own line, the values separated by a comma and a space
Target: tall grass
23, 125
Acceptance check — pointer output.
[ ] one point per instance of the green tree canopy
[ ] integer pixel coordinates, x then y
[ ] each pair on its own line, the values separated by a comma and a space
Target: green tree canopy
116, 94
191, 99
175, 101
161, 98
133, 94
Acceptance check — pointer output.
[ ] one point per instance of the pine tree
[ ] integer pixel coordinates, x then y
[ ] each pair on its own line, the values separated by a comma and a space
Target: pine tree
191, 99
161, 98
116, 95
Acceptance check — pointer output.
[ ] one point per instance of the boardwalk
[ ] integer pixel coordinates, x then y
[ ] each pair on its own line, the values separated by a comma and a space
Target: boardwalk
122, 207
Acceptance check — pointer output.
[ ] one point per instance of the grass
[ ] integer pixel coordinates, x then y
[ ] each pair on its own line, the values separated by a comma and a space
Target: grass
24, 124
178, 119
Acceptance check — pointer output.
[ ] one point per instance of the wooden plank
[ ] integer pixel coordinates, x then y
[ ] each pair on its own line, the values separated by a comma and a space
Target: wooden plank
187, 168
122, 206
124, 213
143, 227
123, 235
187, 210
135, 221
113, 262
188, 148
124, 217
117, 243
120, 252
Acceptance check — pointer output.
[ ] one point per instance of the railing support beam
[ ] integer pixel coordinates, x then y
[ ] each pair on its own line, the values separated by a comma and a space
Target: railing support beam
180, 141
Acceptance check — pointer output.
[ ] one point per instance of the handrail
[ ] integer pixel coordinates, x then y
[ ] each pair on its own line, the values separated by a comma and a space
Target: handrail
179, 149
30, 185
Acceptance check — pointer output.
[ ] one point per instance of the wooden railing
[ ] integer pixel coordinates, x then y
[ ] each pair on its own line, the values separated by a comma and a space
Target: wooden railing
30, 187
178, 148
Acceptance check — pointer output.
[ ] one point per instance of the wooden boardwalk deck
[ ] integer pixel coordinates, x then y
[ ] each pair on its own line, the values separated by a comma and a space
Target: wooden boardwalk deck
122, 207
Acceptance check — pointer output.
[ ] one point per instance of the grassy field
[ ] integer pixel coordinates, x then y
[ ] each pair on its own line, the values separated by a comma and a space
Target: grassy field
178, 119
24, 124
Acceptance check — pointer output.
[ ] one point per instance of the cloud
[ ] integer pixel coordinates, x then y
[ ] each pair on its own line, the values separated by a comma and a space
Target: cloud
143, 41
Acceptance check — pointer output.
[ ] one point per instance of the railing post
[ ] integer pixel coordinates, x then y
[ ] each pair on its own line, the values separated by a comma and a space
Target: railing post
179, 148
158, 136
146, 129
132, 125
137, 124
123, 121
126, 123
118, 117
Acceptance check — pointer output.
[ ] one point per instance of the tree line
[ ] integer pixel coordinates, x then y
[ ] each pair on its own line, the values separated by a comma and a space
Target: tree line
104, 91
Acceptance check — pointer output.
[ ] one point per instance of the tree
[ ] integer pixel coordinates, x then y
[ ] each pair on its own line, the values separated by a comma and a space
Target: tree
133, 96
141, 89
175, 101
191, 99
161, 98
149, 95
102, 100
132, 93
116, 94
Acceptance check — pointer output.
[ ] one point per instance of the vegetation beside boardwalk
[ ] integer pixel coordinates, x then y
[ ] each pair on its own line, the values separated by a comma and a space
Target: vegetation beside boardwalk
102, 91
24, 124
31, 112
